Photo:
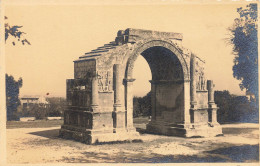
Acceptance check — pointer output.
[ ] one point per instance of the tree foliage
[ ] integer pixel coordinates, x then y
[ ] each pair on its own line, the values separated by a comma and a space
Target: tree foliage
142, 105
235, 109
245, 48
15, 32
12, 96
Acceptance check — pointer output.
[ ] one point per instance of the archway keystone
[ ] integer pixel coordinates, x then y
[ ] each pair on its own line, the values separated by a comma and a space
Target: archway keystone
100, 99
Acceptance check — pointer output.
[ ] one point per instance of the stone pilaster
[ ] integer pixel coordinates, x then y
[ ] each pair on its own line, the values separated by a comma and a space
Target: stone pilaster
119, 111
117, 81
95, 97
153, 99
210, 87
212, 111
129, 102
193, 90
193, 101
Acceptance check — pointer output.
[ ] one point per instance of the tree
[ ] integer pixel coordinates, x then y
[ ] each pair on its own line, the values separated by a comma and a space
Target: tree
56, 106
15, 32
245, 48
142, 105
12, 96
235, 109
223, 99
12, 86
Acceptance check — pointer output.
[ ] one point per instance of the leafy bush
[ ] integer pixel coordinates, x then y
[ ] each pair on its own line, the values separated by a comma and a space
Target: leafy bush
40, 111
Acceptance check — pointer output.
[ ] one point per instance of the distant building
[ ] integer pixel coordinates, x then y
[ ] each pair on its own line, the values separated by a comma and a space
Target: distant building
250, 96
29, 101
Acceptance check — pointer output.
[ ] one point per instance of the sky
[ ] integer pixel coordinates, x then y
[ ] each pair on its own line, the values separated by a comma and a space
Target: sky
60, 34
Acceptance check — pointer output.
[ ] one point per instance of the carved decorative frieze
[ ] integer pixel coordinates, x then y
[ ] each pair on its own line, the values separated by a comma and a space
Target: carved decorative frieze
201, 81
104, 81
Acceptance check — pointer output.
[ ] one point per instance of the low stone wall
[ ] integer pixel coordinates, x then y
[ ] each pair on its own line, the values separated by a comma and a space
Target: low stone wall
26, 119
54, 118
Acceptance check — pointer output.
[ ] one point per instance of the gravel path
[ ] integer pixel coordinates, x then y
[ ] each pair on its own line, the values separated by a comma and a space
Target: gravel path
240, 143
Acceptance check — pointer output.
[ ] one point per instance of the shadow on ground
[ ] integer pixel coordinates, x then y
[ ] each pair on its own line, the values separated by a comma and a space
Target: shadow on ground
229, 154
244, 153
236, 131
54, 133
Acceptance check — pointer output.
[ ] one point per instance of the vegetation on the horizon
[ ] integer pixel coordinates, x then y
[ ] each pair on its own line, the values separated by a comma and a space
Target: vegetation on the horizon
235, 109
54, 108
232, 108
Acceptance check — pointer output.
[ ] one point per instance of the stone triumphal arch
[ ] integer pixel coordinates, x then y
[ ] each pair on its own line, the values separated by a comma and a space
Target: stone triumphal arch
100, 99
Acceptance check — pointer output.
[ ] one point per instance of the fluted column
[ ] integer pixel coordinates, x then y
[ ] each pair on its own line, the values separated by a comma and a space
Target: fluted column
210, 87
153, 99
129, 102
117, 93
119, 117
212, 111
193, 90
193, 101
94, 92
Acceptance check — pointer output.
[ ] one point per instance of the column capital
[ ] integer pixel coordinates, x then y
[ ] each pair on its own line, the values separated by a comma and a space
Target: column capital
129, 80
193, 105
168, 81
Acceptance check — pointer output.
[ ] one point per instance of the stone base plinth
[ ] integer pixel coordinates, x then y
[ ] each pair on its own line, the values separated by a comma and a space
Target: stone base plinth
90, 136
185, 130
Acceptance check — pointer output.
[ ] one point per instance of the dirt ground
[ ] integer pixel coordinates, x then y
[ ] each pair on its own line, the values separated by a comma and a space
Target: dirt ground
240, 143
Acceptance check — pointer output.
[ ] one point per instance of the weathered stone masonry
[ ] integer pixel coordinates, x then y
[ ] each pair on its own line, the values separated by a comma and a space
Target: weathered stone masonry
100, 99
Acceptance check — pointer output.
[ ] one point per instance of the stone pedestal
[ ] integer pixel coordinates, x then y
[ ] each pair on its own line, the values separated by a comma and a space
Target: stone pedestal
94, 136
98, 122
184, 130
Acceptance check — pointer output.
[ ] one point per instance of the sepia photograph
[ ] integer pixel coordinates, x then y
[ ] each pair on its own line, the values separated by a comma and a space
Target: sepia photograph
129, 82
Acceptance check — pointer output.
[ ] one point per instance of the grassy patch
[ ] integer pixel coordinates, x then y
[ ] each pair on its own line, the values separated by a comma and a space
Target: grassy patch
53, 123
33, 124
141, 120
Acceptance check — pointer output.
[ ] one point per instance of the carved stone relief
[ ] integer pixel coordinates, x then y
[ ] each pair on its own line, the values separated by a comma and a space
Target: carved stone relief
104, 81
201, 84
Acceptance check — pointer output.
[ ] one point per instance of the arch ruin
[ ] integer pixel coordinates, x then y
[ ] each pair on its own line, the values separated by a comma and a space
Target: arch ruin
100, 99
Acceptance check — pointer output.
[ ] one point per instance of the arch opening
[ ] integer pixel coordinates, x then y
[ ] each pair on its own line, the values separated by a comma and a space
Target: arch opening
163, 63
167, 86
142, 74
